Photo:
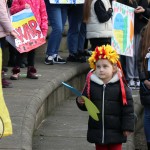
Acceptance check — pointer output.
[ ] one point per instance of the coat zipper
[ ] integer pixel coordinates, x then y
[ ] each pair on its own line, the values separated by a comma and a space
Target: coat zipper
103, 134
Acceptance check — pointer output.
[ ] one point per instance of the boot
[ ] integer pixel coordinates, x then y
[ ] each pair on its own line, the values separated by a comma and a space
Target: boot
15, 75
31, 73
148, 145
5, 83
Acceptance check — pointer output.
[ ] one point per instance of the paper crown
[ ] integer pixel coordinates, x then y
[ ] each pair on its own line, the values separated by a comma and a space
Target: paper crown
103, 52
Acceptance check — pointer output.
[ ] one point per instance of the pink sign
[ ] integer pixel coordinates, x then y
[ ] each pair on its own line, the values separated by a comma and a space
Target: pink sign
29, 35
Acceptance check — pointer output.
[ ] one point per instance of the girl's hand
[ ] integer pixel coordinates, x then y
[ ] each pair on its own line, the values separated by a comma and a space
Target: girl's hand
126, 133
14, 34
139, 9
147, 83
27, 6
80, 100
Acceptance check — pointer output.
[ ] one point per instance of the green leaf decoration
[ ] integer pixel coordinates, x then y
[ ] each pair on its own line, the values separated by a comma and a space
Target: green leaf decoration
91, 108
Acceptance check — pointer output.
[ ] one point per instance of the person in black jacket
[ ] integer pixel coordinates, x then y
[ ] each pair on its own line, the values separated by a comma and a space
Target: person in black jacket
142, 14
97, 16
144, 75
105, 88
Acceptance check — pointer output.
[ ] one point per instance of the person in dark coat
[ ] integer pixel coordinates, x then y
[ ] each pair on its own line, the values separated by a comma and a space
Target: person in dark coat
144, 75
105, 88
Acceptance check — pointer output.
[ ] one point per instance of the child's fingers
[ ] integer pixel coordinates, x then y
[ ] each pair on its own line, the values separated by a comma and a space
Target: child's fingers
80, 100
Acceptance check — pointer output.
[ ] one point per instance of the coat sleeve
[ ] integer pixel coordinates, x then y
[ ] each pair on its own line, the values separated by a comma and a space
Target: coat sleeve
128, 112
82, 107
147, 12
102, 14
17, 5
4, 18
44, 18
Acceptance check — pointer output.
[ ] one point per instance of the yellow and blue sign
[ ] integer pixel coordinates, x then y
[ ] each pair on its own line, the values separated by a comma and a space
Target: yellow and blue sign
123, 28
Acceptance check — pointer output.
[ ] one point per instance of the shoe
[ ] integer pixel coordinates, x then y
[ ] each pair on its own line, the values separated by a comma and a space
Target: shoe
84, 53
59, 60
22, 65
76, 58
5, 69
137, 84
131, 83
6, 84
15, 75
49, 60
31, 73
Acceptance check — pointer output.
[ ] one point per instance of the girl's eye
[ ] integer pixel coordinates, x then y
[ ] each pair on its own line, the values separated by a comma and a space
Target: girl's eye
105, 66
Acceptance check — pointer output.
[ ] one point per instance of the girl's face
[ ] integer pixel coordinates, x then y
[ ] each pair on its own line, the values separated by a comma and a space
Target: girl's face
105, 70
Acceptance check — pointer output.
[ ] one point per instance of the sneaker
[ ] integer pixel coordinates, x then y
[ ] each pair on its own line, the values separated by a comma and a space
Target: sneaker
76, 58
131, 83
59, 60
84, 53
137, 83
49, 60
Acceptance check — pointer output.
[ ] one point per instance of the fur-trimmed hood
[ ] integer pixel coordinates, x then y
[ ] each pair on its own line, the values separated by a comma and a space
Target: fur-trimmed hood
97, 80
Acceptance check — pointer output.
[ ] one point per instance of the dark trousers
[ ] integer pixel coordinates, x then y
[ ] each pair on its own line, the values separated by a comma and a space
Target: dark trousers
99, 42
30, 58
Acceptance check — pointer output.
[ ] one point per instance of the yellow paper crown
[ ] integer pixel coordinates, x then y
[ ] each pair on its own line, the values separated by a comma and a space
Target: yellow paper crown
103, 52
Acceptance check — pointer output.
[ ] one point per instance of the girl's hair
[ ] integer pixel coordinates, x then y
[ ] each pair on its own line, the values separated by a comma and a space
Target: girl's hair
145, 44
86, 10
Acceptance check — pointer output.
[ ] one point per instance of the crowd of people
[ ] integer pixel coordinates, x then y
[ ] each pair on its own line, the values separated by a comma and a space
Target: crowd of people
90, 20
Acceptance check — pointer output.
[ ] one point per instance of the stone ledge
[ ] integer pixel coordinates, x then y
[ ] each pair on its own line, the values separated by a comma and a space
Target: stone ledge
46, 99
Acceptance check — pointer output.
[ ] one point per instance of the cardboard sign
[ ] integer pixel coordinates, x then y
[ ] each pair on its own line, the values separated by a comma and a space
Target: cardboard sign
29, 35
123, 28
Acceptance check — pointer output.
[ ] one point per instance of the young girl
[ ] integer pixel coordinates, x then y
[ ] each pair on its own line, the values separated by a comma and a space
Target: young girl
39, 10
97, 16
144, 75
105, 88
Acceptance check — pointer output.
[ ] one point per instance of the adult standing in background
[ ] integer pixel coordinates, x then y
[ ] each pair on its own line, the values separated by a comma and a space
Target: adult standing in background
76, 33
5, 29
97, 16
142, 14
144, 75
57, 15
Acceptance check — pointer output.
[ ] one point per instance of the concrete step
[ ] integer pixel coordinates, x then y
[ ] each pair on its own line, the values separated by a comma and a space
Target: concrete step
64, 129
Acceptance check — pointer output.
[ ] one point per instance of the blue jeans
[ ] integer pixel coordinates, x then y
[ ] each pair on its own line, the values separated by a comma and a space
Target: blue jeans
147, 122
57, 15
77, 32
